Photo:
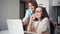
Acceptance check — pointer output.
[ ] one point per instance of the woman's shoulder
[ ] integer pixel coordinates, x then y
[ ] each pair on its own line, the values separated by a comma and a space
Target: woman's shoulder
28, 10
45, 19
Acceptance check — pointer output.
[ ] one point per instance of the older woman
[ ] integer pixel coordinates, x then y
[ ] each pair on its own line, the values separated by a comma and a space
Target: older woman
39, 22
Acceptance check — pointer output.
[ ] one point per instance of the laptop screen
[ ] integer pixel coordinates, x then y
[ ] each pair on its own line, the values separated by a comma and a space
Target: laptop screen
15, 26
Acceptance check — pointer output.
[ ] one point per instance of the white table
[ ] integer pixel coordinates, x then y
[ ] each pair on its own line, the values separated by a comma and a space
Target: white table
4, 32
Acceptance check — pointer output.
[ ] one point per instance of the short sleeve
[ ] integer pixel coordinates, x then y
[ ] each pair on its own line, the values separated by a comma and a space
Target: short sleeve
26, 16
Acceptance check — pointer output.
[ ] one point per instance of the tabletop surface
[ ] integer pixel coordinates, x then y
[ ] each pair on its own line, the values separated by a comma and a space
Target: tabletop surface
4, 32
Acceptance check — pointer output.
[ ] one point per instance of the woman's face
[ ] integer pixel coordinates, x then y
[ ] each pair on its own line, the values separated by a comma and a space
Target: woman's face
38, 12
31, 6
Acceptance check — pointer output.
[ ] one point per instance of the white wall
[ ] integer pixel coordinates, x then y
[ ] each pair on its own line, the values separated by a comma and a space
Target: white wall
50, 8
8, 9
55, 3
14, 9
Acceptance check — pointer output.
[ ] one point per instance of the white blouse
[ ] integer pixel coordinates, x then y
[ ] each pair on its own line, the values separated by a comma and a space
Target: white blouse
41, 26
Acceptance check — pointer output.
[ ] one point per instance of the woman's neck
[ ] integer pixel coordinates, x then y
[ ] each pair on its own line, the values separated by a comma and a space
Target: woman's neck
39, 19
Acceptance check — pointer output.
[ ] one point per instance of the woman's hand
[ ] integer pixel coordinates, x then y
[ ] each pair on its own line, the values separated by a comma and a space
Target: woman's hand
34, 31
23, 22
32, 17
54, 23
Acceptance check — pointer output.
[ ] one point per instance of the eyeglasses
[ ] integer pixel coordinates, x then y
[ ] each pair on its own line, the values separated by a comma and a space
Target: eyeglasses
38, 11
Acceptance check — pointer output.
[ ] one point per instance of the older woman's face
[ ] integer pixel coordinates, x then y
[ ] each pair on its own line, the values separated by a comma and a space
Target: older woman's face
38, 12
31, 6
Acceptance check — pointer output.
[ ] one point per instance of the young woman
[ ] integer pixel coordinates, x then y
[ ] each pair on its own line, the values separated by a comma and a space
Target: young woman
32, 5
39, 22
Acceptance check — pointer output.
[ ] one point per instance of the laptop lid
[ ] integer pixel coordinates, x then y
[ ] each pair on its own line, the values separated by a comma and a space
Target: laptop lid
15, 26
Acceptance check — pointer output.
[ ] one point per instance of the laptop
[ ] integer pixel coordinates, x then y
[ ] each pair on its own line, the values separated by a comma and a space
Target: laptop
15, 27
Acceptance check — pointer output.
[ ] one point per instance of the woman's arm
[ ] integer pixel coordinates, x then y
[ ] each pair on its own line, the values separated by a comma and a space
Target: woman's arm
29, 28
25, 19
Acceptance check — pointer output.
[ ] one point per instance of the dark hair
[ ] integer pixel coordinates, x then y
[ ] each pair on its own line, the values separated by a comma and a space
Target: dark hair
34, 3
44, 12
